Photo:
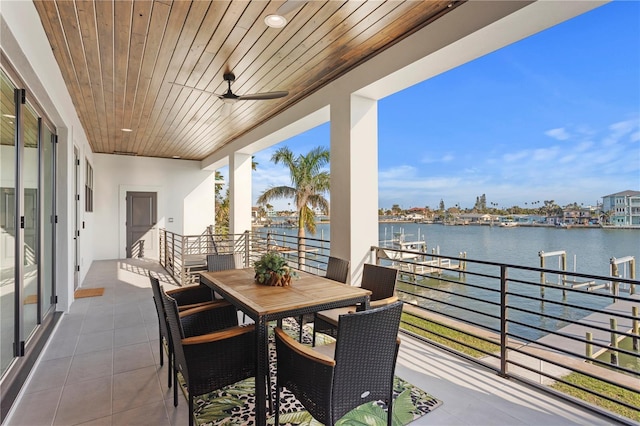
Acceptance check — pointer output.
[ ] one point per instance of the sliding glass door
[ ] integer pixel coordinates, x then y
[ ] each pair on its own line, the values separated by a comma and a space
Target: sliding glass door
8, 154
31, 239
27, 220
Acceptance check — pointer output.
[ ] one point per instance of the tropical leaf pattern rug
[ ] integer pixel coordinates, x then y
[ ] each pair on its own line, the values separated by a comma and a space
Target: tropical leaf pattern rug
234, 404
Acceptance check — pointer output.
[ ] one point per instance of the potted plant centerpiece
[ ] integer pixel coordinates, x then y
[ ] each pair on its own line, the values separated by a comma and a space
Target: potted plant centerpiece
272, 269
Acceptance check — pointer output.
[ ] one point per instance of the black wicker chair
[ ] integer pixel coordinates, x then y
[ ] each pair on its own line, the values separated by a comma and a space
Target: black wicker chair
221, 262
186, 298
209, 361
380, 280
337, 270
332, 380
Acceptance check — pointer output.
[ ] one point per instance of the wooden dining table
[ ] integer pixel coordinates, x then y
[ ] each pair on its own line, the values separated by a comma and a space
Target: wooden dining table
307, 293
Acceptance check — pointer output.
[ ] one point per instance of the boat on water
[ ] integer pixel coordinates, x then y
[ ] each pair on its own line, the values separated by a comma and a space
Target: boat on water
508, 224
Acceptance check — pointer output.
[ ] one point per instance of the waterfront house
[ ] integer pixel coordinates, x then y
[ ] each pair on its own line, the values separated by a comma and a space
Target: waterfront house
580, 215
110, 133
622, 209
477, 218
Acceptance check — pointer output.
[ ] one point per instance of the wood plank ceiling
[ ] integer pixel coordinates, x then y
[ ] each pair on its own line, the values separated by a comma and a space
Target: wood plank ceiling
119, 58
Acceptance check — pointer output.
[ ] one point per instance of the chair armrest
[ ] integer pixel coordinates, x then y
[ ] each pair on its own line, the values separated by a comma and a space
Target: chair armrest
195, 305
378, 303
202, 307
191, 295
383, 302
302, 350
219, 335
209, 318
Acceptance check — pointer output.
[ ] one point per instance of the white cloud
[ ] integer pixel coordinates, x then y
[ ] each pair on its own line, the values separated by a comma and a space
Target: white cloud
621, 129
560, 134
545, 154
583, 146
446, 158
400, 172
509, 158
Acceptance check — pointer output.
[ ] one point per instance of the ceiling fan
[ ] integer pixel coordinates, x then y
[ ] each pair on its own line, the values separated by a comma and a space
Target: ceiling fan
229, 98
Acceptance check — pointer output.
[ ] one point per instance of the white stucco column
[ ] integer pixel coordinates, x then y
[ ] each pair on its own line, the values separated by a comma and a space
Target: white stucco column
239, 193
354, 180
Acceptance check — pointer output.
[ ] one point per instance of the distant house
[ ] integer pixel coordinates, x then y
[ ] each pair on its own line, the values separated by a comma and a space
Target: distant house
574, 215
475, 217
622, 208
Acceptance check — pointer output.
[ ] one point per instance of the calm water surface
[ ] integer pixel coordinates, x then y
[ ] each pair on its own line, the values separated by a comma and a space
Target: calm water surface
588, 250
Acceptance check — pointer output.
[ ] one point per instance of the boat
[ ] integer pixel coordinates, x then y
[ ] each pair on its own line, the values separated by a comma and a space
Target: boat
508, 224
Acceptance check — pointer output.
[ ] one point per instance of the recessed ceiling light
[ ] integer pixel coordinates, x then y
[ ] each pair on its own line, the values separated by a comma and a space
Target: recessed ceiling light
275, 21
126, 130
8, 115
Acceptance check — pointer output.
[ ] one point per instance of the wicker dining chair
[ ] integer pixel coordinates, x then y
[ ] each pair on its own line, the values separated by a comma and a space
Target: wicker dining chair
186, 298
331, 380
208, 361
337, 270
222, 262
380, 280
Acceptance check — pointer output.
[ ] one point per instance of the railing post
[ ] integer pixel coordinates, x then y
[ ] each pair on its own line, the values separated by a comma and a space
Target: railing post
173, 254
247, 247
635, 329
632, 275
589, 345
614, 274
503, 321
614, 341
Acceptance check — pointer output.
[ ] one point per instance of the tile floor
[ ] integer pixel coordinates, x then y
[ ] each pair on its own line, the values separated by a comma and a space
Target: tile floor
101, 368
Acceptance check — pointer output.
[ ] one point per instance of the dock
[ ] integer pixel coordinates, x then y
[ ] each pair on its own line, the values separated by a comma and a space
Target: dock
539, 353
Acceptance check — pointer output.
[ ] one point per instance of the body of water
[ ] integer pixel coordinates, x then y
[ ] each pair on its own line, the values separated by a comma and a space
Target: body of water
588, 250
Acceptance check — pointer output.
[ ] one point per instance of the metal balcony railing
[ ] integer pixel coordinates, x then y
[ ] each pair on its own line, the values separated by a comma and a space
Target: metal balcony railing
575, 335
570, 334
184, 255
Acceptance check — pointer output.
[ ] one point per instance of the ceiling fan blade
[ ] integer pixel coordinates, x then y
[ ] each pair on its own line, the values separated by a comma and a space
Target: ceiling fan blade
289, 6
193, 88
266, 95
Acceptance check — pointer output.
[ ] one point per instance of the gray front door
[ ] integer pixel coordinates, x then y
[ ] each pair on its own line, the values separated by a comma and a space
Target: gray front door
141, 221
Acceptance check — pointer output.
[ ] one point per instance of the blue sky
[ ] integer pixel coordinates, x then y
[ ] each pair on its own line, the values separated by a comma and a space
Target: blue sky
553, 117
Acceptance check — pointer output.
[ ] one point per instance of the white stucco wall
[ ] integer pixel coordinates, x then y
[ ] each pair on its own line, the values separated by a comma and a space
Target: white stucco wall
185, 196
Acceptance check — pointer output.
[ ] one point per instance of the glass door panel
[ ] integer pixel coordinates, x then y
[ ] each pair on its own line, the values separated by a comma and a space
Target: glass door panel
7, 221
31, 223
48, 185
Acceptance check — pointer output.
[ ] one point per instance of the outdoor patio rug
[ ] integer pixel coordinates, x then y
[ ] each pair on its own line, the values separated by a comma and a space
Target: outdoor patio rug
88, 292
234, 405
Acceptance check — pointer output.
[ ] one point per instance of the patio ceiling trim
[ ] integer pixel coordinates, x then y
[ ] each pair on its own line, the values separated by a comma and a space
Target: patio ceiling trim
472, 30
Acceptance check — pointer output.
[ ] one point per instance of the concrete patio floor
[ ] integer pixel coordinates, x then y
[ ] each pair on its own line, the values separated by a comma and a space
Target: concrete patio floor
101, 368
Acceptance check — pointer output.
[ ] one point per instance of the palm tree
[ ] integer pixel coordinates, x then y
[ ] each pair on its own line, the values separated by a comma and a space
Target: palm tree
308, 184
